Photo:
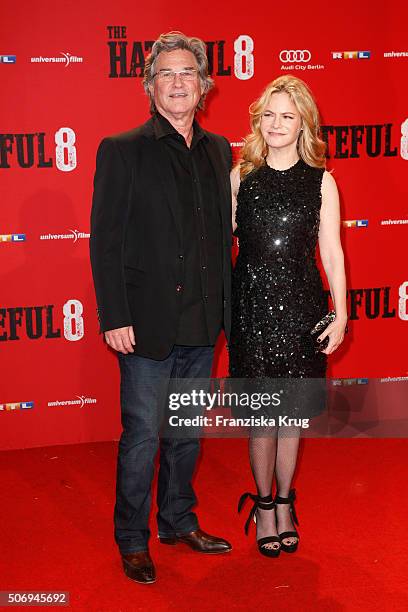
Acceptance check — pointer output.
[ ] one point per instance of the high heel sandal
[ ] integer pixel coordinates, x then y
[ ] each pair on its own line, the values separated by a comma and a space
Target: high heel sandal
289, 548
264, 503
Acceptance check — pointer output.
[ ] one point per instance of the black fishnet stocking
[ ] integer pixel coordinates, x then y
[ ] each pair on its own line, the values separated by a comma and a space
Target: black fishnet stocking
276, 455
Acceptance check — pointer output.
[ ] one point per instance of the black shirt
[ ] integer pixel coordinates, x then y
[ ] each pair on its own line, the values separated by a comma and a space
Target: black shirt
201, 286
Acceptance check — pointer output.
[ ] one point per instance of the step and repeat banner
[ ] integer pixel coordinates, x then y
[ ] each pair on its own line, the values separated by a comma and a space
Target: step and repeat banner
71, 73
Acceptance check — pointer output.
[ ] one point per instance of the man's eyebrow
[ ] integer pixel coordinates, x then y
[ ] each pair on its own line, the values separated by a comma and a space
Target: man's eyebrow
170, 69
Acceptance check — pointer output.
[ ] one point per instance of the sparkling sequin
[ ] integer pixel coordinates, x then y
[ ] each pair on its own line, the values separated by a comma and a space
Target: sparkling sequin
277, 292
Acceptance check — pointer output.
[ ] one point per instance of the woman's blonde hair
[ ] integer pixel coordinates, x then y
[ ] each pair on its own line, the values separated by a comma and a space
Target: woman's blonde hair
310, 146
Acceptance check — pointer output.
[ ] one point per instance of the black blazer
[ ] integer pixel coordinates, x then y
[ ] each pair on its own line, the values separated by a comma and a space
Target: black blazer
136, 236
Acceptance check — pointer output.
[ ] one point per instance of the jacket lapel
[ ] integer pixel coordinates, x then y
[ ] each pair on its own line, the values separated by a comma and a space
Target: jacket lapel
168, 181
164, 171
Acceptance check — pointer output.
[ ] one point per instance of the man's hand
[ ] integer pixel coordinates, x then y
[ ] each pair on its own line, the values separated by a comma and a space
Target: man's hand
121, 339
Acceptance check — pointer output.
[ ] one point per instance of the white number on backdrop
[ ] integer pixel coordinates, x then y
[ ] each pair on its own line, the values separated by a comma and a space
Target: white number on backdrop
402, 304
73, 320
65, 151
404, 140
244, 58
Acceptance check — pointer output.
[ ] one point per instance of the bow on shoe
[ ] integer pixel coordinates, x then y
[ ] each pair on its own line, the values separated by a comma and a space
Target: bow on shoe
259, 502
242, 501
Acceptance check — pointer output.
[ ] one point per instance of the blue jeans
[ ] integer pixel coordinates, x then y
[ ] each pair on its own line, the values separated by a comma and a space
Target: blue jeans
140, 391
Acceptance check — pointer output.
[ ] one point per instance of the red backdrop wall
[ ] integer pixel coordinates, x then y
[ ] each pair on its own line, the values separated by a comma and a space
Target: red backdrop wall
63, 89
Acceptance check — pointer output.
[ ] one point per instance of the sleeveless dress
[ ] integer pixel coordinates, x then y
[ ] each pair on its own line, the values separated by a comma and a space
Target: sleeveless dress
277, 291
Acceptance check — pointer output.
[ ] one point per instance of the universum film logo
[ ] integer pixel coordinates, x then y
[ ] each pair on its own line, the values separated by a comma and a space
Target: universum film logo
80, 401
75, 235
13, 406
393, 54
66, 59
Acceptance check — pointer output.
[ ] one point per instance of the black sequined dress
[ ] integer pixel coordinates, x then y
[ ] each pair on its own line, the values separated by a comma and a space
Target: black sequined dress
277, 291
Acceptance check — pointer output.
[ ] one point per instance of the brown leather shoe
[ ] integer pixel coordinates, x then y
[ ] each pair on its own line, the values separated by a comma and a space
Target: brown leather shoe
139, 567
200, 541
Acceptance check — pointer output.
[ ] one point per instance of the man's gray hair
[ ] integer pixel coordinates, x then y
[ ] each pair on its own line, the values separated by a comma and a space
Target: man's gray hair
171, 42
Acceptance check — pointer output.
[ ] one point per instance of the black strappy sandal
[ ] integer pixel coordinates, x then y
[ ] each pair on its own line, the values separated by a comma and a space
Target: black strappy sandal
289, 548
264, 503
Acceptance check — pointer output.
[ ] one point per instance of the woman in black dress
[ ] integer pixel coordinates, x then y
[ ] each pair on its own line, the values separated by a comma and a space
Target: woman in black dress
284, 203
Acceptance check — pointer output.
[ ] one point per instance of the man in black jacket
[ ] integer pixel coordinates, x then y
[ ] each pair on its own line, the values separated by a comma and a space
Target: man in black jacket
161, 261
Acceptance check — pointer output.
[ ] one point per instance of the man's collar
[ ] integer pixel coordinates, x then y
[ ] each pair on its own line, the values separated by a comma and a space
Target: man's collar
162, 127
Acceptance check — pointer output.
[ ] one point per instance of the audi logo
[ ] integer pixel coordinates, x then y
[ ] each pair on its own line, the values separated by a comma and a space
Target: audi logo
295, 56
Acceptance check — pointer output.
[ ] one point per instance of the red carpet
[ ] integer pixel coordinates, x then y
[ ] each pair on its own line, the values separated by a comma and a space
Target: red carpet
56, 532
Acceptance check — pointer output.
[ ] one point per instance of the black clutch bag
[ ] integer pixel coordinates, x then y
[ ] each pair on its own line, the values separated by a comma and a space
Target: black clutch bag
319, 329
